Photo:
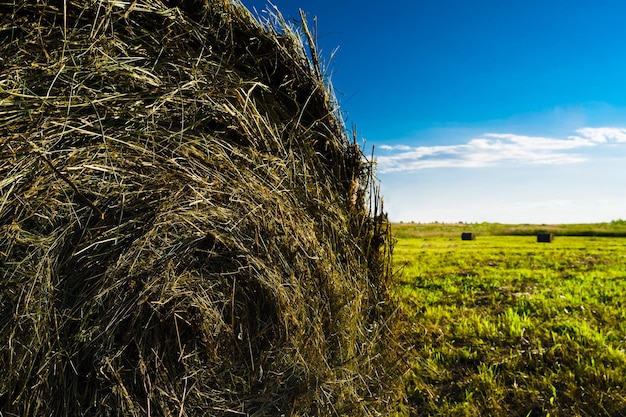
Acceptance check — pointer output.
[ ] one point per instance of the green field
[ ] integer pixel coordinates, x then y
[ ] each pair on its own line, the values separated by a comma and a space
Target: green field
506, 326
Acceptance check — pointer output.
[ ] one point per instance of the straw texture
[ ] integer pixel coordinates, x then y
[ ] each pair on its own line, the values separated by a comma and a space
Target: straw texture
185, 227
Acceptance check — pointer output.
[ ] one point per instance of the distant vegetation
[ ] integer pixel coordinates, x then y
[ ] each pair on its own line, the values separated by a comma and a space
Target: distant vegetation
615, 228
506, 326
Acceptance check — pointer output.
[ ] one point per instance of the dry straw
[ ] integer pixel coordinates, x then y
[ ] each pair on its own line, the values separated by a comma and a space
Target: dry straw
185, 227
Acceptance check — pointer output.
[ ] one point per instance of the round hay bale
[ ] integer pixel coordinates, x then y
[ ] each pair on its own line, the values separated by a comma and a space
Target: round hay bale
185, 226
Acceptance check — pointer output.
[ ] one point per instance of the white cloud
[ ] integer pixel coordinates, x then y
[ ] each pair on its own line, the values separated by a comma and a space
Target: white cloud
603, 134
543, 143
396, 147
493, 149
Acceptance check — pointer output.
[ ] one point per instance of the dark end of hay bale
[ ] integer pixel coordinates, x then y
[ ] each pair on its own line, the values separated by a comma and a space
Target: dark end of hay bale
545, 237
468, 236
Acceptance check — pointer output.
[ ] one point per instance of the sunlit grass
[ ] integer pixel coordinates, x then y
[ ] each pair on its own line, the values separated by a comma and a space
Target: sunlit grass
506, 326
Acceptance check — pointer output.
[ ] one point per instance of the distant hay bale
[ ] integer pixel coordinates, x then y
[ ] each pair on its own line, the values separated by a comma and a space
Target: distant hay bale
185, 227
468, 236
545, 237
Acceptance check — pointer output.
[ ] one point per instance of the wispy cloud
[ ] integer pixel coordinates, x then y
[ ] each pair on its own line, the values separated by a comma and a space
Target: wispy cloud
493, 149
603, 134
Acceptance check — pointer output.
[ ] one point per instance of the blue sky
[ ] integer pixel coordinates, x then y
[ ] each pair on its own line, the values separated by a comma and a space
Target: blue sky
511, 112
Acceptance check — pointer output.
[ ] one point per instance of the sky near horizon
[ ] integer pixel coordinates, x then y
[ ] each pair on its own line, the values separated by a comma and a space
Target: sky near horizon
482, 111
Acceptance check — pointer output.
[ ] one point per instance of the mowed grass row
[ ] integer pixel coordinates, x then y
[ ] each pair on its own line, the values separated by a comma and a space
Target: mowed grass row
506, 326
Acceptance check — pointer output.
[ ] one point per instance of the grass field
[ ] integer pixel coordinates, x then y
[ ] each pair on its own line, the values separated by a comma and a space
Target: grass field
506, 326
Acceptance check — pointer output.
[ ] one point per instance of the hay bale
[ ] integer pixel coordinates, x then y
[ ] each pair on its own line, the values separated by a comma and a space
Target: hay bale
180, 231
468, 236
545, 237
